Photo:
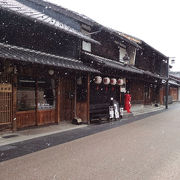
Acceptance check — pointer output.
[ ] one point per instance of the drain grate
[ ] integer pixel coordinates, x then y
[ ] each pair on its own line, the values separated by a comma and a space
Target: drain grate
10, 136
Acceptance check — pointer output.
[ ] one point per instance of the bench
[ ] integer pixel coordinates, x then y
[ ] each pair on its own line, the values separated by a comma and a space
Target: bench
99, 111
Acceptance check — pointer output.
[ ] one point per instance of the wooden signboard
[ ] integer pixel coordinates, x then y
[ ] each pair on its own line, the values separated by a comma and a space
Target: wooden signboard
5, 88
123, 89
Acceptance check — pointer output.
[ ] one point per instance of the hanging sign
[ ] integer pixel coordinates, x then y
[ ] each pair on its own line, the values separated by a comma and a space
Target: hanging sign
121, 112
123, 89
116, 111
6, 88
111, 112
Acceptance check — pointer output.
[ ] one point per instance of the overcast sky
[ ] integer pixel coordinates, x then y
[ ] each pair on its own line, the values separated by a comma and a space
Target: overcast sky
157, 22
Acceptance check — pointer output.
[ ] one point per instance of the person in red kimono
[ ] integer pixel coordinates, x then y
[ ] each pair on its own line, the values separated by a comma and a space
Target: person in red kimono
127, 102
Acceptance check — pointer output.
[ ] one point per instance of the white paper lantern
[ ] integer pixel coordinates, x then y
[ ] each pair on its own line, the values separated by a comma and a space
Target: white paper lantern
51, 72
106, 80
98, 79
120, 82
113, 81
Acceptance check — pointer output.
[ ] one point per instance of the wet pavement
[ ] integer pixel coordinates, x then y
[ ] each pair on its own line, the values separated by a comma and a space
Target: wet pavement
24, 146
142, 147
7, 138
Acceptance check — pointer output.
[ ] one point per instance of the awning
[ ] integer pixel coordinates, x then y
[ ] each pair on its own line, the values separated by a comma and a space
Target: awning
37, 16
112, 63
174, 83
23, 54
154, 75
104, 62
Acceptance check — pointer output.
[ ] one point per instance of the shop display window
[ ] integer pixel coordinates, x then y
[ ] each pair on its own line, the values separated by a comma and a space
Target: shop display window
26, 94
46, 94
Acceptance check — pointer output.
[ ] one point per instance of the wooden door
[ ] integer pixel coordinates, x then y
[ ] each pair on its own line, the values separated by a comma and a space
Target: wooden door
6, 104
174, 93
148, 94
67, 99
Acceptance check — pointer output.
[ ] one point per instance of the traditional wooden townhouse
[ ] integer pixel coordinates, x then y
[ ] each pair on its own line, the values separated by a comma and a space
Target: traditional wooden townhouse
57, 65
132, 66
151, 88
174, 86
39, 66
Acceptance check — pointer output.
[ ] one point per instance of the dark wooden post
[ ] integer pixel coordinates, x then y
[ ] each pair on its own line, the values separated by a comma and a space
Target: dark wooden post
167, 84
14, 102
58, 85
88, 99
75, 97
36, 101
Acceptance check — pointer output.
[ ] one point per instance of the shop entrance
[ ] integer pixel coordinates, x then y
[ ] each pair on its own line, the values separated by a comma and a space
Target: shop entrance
67, 99
147, 94
6, 103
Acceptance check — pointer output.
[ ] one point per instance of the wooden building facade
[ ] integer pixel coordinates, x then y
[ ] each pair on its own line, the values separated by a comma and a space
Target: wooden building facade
174, 86
143, 69
40, 67
50, 58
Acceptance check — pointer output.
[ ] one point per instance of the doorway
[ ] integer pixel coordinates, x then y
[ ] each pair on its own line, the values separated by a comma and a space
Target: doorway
67, 99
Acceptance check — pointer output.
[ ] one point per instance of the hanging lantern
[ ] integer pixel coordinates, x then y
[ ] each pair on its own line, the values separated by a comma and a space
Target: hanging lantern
98, 79
120, 82
113, 81
51, 72
106, 80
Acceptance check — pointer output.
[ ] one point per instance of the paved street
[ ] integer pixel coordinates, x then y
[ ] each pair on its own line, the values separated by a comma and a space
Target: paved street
148, 149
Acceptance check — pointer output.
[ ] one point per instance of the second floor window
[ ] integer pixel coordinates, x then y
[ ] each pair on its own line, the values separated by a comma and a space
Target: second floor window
86, 30
86, 46
122, 53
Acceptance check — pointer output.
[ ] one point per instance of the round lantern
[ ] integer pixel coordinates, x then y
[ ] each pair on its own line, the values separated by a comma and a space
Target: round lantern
98, 79
51, 72
106, 80
120, 82
113, 81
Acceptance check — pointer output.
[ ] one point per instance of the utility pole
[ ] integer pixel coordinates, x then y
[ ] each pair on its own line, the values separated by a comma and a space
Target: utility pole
167, 83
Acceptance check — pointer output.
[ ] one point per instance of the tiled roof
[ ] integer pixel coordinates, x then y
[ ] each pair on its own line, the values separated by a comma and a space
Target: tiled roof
82, 18
113, 64
117, 65
23, 54
37, 16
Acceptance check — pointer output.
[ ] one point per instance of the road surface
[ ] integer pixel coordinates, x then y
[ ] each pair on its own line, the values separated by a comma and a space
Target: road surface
148, 149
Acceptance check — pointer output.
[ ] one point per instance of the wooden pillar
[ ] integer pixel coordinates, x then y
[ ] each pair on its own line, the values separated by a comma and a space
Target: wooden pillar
88, 99
14, 102
75, 97
167, 83
58, 85
36, 101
